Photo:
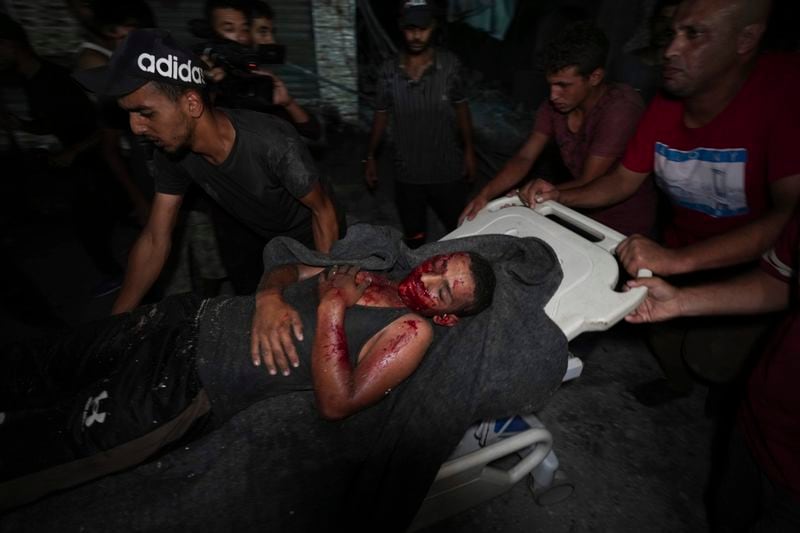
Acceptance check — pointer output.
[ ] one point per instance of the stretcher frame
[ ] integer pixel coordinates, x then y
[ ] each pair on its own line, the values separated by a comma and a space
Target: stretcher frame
584, 301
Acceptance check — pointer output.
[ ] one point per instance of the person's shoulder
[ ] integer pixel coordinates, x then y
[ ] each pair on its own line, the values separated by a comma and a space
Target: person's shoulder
776, 73
663, 102
446, 57
413, 323
623, 96
779, 63
258, 123
774, 82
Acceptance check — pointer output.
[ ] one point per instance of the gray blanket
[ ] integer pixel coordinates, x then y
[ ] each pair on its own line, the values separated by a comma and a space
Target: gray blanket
276, 466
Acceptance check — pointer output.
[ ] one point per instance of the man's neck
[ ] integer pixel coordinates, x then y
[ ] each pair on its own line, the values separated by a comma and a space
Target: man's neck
591, 100
702, 108
416, 60
213, 137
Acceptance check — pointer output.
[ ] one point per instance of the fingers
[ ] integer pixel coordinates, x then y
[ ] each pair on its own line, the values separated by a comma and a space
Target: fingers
272, 344
260, 351
537, 192
278, 356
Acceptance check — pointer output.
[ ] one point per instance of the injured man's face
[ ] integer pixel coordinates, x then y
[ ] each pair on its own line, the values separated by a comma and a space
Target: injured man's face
444, 284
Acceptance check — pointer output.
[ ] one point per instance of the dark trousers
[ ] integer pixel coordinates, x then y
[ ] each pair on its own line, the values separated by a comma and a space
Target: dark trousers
97, 400
446, 199
746, 500
716, 350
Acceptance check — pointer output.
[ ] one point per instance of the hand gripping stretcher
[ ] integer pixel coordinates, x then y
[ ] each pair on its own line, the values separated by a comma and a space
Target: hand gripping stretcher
585, 301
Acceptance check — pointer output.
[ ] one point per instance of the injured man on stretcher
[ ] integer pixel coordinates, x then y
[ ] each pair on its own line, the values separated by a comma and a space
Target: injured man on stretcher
134, 387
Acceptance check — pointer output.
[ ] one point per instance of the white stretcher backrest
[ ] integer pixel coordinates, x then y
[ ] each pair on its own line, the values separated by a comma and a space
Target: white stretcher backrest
586, 299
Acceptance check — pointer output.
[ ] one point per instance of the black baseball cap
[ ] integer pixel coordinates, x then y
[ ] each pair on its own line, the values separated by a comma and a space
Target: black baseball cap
145, 55
416, 13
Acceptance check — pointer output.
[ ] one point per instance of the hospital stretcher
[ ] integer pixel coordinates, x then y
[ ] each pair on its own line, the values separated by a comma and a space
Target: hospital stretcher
585, 301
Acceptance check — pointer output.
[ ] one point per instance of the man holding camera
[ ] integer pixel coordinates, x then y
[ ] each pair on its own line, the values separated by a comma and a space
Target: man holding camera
255, 166
230, 21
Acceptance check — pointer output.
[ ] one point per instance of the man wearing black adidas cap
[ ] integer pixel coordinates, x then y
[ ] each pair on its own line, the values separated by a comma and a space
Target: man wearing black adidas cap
254, 165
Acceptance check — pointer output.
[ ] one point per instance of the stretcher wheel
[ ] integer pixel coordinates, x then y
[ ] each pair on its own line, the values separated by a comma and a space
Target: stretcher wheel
559, 490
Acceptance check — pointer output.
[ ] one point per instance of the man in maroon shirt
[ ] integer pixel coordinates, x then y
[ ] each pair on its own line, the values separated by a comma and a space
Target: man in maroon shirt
590, 121
760, 490
722, 143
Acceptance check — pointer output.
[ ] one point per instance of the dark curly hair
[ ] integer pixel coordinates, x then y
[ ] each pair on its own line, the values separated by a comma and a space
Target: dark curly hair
261, 9
485, 281
580, 44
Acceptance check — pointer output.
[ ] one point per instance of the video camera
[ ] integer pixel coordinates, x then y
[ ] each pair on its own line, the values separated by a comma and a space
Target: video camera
241, 87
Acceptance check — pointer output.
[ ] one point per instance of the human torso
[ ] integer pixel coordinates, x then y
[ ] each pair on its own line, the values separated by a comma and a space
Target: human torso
603, 131
718, 176
420, 102
260, 182
770, 416
229, 377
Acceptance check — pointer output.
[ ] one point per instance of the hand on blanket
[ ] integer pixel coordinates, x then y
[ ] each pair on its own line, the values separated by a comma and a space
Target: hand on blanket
340, 282
662, 301
271, 340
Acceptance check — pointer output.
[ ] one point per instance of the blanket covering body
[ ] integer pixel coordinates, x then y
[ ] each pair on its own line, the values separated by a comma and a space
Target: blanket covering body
276, 466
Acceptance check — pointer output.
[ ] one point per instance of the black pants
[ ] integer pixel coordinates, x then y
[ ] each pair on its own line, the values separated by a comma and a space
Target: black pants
97, 400
746, 500
446, 199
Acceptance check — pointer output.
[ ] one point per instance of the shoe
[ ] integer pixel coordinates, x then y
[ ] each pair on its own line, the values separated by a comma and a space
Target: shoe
106, 286
656, 392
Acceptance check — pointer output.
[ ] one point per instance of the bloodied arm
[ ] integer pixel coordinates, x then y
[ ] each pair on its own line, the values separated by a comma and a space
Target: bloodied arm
275, 321
384, 361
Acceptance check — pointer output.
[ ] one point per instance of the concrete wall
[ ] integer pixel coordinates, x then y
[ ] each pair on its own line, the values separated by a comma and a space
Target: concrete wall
335, 41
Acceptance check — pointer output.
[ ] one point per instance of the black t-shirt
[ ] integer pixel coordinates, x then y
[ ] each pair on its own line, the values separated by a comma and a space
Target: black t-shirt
268, 170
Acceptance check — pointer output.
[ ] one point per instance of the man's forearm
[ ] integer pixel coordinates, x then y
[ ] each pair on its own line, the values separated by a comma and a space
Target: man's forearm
325, 226
510, 175
752, 293
144, 266
606, 190
331, 370
379, 121
735, 247
276, 280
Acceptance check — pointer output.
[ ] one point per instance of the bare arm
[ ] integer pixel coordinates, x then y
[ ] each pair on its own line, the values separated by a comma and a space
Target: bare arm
603, 191
306, 124
383, 363
379, 121
323, 217
511, 174
734, 247
594, 167
149, 252
751, 293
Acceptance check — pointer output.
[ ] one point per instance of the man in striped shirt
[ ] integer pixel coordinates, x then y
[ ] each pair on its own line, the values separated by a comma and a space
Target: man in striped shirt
423, 90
